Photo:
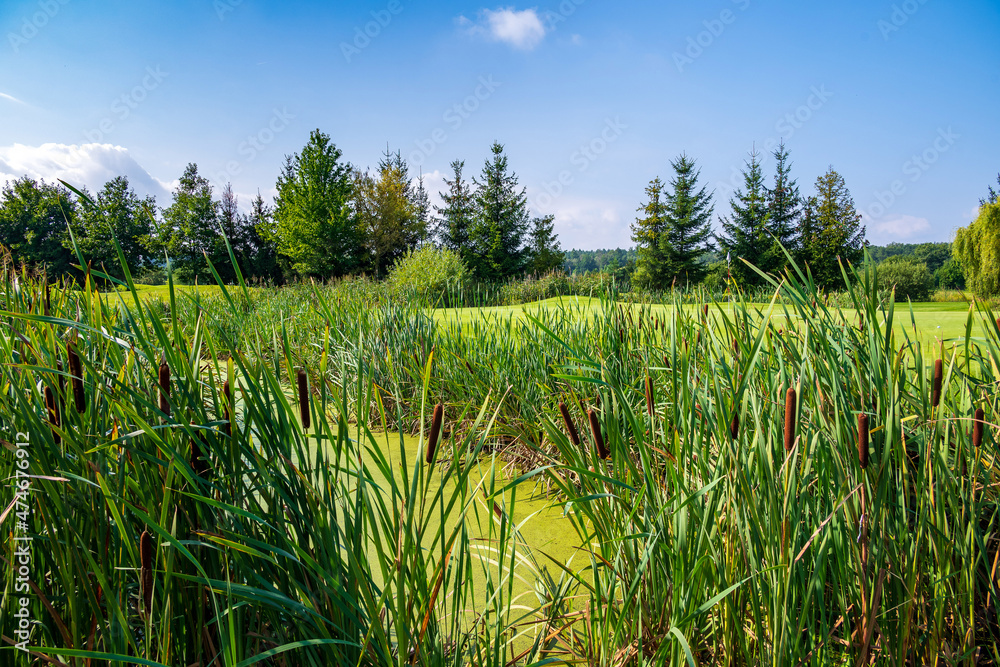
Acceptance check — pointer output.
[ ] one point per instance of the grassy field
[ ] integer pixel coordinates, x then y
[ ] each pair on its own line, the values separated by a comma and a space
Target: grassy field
724, 485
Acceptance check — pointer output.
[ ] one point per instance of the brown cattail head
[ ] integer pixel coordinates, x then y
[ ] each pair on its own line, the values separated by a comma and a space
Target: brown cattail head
936, 385
164, 381
977, 427
303, 382
47, 307
863, 440
53, 409
595, 428
574, 437
76, 379
199, 462
432, 441
704, 310
734, 426
146, 549
789, 419
227, 408
650, 398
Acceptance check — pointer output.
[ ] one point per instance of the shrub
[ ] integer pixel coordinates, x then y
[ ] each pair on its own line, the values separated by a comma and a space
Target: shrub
426, 274
910, 278
950, 275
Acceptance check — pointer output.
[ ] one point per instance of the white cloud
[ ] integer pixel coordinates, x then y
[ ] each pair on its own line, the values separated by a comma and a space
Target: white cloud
433, 184
87, 165
522, 30
11, 98
896, 228
584, 223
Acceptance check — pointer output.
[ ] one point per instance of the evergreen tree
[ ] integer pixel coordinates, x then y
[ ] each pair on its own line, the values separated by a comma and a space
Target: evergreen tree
784, 206
500, 222
387, 213
422, 208
33, 220
315, 225
456, 216
544, 253
654, 269
689, 219
745, 230
262, 262
991, 194
831, 230
116, 213
189, 229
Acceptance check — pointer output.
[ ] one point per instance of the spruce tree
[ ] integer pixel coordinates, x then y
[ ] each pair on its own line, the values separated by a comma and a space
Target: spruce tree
831, 230
189, 230
544, 253
744, 232
500, 222
456, 216
653, 267
784, 206
689, 223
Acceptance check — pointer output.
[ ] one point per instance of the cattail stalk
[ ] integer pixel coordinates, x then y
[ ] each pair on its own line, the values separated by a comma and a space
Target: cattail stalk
595, 428
227, 412
432, 441
164, 381
53, 409
649, 395
863, 440
977, 428
789, 419
146, 573
76, 379
574, 437
199, 463
303, 382
936, 385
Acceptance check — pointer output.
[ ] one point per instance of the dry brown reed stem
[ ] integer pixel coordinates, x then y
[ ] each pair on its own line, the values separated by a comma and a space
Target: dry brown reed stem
595, 428
303, 383
432, 441
863, 440
53, 410
574, 437
789, 419
146, 572
936, 385
164, 382
734, 425
649, 395
76, 381
977, 428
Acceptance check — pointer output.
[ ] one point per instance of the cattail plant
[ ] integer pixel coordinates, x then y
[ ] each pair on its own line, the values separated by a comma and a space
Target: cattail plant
53, 409
76, 378
227, 403
303, 383
164, 381
734, 425
432, 441
574, 437
199, 462
863, 440
977, 428
146, 573
595, 428
936, 385
649, 395
789, 419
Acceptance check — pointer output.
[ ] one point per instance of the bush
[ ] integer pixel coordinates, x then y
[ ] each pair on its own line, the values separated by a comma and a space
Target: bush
950, 275
910, 278
426, 274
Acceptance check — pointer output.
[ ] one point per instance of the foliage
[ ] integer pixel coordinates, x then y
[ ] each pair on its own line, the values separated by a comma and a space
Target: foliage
950, 275
388, 215
33, 221
910, 278
831, 234
977, 249
456, 221
543, 252
653, 268
784, 212
745, 239
689, 218
426, 275
315, 226
617, 259
500, 222
188, 232
116, 213
992, 196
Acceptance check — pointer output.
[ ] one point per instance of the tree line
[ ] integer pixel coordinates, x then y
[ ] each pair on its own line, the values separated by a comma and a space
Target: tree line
328, 219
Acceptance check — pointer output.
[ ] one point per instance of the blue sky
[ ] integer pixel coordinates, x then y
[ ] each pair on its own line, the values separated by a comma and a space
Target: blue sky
592, 99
